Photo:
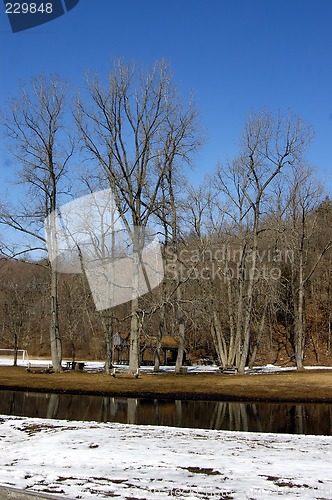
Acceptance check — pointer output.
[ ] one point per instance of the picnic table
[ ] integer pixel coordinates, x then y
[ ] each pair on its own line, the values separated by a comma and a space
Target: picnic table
74, 365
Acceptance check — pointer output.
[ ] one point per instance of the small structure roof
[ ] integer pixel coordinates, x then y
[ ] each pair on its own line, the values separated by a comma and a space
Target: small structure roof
167, 341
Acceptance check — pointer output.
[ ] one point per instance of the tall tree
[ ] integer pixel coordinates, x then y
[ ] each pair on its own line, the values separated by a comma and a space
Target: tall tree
41, 150
136, 129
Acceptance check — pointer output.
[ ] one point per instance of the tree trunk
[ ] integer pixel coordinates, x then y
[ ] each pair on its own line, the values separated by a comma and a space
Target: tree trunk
156, 366
134, 326
298, 334
134, 340
56, 351
108, 326
232, 335
218, 340
181, 324
15, 348
179, 358
249, 301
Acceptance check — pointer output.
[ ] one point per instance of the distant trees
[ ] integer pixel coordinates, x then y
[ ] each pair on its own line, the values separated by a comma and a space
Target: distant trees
22, 308
17, 299
303, 199
77, 319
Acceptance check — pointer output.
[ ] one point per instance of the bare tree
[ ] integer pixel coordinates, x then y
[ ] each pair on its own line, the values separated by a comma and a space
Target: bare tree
269, 145
41, 149
136, 130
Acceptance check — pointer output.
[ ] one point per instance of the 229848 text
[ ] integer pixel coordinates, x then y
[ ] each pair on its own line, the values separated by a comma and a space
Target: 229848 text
29, 8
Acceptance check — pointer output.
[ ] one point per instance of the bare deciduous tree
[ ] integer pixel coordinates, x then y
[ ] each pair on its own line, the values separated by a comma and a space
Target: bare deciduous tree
136, 130
41, 150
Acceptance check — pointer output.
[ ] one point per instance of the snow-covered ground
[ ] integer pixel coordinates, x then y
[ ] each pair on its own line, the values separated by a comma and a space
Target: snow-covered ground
99, 365
92, 460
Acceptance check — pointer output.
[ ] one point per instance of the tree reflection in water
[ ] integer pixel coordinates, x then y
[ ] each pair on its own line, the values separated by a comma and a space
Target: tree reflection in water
293, 418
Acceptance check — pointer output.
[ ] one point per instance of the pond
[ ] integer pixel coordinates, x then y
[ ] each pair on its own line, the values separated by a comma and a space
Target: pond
293, 418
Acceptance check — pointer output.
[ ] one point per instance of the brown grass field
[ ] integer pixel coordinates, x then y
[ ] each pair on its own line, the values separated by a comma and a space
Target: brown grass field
311, 385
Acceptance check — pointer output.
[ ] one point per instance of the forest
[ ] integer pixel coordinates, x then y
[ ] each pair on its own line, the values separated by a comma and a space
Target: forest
246, 253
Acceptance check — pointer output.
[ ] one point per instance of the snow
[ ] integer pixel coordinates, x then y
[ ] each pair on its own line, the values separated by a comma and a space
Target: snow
101, 460
93, 366
99, 365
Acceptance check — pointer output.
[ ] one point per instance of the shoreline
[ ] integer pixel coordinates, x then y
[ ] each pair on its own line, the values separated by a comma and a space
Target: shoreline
309, 386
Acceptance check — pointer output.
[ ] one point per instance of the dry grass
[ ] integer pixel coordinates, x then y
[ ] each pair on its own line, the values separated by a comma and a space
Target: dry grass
313, 385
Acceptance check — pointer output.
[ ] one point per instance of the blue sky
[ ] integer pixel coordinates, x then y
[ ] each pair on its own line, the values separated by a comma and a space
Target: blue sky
235, 55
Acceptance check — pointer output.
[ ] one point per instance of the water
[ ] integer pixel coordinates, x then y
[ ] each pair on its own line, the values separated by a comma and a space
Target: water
293, 418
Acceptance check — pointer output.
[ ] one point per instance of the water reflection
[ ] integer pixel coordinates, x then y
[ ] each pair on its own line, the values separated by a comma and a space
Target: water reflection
310, 418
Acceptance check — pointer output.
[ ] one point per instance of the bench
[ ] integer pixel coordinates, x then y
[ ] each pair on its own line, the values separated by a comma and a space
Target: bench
231, 370
35, 368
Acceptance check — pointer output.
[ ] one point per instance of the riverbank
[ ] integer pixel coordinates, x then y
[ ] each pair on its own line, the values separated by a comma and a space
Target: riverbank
310, 385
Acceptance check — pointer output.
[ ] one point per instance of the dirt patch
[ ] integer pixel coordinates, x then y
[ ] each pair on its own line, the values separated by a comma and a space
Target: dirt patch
34, 428
202, 470
311, 385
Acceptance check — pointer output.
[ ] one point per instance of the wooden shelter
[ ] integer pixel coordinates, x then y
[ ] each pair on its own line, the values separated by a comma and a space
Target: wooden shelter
169, 350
